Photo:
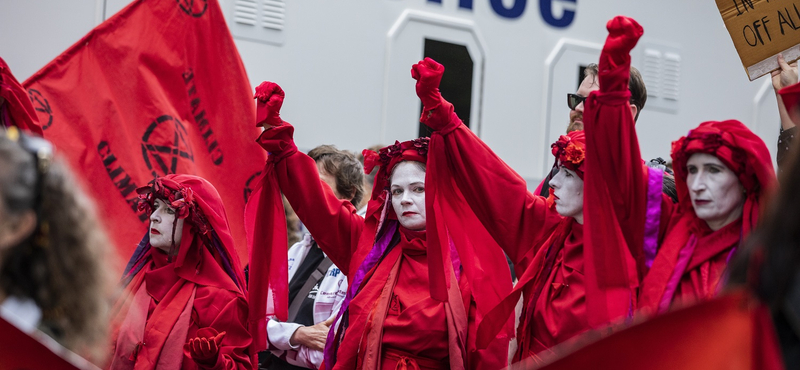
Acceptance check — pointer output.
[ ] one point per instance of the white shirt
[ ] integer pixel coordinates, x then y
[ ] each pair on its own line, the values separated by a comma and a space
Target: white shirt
328, 299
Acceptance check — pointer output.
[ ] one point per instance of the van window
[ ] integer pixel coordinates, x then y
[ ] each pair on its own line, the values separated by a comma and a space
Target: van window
456, 85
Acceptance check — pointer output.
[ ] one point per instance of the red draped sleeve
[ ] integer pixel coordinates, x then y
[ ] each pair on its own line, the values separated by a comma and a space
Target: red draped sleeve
615, 198
519, 221
333, 222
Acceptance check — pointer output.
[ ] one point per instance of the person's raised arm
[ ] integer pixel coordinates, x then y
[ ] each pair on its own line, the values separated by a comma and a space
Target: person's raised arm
333, 222
616, 179
516, 219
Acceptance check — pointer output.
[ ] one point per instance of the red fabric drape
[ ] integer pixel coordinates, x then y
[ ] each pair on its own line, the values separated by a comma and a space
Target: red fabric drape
615, 186
265, 223
728, 333
158, 88
21, 351
17, 108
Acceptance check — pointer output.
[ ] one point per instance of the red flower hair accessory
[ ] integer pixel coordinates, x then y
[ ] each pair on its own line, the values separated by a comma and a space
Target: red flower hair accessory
178, 197
390, 156
570, 151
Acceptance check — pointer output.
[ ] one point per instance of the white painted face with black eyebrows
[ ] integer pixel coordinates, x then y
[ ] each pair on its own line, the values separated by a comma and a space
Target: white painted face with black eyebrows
408, 194
716, 193
568, 192
161, 222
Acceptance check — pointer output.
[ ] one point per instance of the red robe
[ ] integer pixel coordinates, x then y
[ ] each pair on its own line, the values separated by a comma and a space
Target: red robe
414, 322
547, 249
221, 309
166, 303
691, 258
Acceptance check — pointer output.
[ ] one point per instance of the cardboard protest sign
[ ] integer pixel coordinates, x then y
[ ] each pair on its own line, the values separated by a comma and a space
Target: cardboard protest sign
761, 29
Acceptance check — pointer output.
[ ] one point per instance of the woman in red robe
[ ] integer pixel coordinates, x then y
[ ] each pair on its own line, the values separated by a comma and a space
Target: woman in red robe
722, 173
417, 288
184, 306
544, 237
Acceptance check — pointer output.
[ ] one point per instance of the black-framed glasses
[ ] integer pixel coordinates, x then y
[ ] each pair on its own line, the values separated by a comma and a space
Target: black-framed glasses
573, 100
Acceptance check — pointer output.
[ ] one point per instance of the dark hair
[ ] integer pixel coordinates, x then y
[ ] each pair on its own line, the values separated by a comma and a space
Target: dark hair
635, 85
344, 167
64, 266
668, 181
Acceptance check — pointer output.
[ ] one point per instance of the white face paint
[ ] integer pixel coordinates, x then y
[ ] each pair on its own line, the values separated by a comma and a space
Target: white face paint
408, 195
568, 191
715, 191
161, 222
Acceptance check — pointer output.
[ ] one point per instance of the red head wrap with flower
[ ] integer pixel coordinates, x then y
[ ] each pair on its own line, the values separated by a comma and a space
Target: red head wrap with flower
388, 157
570, 151
739, 149
206, 251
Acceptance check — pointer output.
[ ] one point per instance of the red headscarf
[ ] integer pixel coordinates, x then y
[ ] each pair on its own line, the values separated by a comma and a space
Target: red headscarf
570, 151
17, 107
206, 255
387, 158
741, 151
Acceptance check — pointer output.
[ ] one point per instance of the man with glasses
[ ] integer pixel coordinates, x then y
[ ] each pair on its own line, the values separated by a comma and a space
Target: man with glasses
590, 83
575, 103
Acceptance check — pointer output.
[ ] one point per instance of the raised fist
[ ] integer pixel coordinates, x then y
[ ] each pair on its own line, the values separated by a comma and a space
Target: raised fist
204, 349
623, 34
269, 99
615, 59
428, 74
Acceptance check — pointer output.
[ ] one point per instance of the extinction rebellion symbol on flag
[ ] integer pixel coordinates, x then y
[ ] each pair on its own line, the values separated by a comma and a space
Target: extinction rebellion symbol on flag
42, 106
195, 8
164, 142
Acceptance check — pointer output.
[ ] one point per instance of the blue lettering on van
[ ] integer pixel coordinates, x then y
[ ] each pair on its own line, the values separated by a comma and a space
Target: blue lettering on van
518, 8
546, 9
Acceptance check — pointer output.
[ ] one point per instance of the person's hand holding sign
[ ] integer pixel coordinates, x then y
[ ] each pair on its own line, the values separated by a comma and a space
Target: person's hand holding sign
784, 77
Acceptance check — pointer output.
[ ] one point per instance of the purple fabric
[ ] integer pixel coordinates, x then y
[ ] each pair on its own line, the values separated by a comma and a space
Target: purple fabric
455, 259
680, 267
226, 259
135, 262
370, 261
653, 217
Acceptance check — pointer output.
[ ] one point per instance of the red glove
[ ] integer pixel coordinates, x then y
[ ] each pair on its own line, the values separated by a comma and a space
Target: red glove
269, 98
204, 349
615, 59
428, 74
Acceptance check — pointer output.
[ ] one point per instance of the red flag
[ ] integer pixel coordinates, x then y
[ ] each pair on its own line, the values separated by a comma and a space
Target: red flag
731, 332
22, 351
158, 88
